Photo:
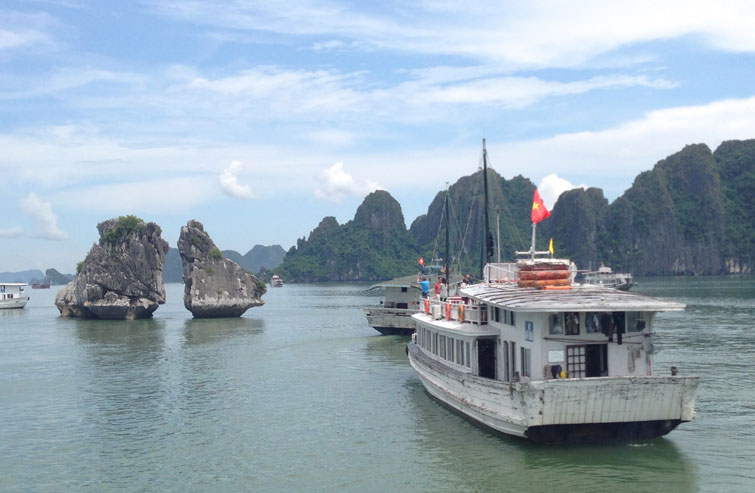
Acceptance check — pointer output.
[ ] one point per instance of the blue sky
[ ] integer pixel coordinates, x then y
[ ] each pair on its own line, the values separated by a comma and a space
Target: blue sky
261, 118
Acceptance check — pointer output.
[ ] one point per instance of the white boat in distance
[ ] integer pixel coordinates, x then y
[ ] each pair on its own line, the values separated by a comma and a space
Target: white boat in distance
276, 281
12, 295
529, 353
403, 298
607, 278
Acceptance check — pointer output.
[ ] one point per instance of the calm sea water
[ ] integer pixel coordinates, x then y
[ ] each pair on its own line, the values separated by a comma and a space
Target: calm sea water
302, 395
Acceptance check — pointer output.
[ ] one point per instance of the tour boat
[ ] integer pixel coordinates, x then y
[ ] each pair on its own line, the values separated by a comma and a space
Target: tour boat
605, 277
276, 281
12, 295
530, 353
403, 298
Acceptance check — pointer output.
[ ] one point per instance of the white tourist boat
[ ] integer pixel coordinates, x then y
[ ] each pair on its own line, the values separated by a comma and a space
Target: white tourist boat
529, 353
607, 278
12, 295
402, 299
276, 281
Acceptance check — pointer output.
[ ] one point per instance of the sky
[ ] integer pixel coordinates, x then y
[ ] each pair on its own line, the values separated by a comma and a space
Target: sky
260, 118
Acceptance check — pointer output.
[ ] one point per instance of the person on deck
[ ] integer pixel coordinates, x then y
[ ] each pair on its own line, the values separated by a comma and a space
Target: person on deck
424, 285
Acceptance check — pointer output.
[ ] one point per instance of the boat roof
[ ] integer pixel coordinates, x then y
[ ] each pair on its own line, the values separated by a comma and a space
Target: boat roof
580, 298
460, 328
14, 283
399, 282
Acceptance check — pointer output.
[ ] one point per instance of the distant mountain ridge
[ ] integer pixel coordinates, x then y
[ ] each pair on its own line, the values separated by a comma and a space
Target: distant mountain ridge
690, 215
258, 258
374, 245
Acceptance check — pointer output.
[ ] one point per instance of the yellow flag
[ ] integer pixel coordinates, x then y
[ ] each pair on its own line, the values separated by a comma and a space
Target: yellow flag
550, 247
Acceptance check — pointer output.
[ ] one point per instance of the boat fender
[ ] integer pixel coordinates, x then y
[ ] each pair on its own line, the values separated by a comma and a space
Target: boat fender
461, 313
427, 306
448, 311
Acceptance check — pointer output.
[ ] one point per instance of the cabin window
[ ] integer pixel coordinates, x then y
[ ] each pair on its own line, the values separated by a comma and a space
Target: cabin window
450, 350
506, 374
635, 321
590, 360
572, 323
508, 317
468, 360
443, 347
556, 323
460, 352
403, 290
513, 359
598, 322
526, 355
435, 343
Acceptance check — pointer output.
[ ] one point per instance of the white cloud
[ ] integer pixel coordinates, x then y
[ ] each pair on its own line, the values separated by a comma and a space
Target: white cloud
336, 184
229, 182
41, 213
519, 92
552, 186
519, 33
331, 137
22, 31
11, 232
166, 195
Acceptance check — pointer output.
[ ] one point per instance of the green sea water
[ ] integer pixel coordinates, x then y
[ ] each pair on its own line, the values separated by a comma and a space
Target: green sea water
302, 395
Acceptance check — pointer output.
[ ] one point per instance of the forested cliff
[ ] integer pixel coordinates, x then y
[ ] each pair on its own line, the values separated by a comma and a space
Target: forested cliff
691, 214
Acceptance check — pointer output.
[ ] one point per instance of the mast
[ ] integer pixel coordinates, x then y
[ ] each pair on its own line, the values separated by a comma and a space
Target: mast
446, 267
498, 233
487, 238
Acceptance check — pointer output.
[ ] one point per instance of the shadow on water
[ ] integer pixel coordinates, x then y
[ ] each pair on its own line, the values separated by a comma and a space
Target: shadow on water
207, 330
391, 349
137, 334
487, 461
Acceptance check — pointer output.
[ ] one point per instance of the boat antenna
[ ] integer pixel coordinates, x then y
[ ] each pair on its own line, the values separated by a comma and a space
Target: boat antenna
488, 240
446, 267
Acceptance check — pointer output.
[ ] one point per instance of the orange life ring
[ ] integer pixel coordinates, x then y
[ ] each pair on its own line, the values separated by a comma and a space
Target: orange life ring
427, 306
448, 311
461, 313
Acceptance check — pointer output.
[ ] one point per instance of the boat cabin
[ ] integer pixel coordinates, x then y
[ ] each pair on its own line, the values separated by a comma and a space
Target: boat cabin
12, 295
512, 334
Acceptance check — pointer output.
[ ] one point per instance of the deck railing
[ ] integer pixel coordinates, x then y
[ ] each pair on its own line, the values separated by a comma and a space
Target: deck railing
499, 273
455, 308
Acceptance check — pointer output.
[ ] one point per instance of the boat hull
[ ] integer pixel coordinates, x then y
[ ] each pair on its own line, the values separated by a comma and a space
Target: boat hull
391, 321
589, 410
14, 303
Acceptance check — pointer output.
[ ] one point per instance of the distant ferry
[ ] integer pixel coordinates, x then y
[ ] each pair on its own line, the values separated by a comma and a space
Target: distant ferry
276, 281
607, 278
12, 295
40, 285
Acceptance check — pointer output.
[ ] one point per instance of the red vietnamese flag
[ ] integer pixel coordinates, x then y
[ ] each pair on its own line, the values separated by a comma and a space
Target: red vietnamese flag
539, 212
421, 261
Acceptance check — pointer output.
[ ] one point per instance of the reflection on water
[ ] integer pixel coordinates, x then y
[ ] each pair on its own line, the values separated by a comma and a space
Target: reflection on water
301, 394
473, 455
203, 330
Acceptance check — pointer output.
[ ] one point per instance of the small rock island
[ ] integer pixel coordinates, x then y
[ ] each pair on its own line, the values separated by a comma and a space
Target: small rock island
214, 286
121, 277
